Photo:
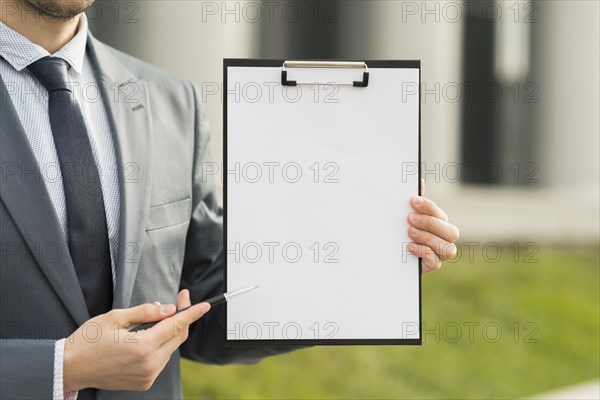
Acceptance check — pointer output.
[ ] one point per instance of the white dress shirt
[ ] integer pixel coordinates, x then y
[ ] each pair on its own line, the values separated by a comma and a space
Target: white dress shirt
30, 100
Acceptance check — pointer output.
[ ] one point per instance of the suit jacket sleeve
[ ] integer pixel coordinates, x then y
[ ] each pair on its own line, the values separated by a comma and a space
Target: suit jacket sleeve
26, 369
203, 264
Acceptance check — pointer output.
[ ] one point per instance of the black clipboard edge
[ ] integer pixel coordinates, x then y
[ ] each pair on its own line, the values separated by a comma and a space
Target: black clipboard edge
255, 62
324, 342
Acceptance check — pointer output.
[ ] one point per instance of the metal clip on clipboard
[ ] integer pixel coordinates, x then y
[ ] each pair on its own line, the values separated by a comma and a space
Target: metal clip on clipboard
324, 64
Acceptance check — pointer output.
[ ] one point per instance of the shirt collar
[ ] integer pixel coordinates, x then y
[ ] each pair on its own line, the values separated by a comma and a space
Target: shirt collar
20, 52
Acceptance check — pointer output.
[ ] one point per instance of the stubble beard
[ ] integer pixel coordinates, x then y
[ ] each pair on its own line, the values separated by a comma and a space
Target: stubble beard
59, 9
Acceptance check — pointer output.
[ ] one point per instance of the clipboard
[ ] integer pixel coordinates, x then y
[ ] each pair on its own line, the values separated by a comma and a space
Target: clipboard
320, 160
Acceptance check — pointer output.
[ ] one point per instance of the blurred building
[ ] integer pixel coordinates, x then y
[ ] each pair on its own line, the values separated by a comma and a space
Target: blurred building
510, 112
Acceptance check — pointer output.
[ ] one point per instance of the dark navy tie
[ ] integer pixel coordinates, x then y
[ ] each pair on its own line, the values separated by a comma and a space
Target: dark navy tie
88, 234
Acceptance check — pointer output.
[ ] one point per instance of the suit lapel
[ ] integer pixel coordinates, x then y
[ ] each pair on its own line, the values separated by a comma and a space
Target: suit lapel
24, 194
128, 108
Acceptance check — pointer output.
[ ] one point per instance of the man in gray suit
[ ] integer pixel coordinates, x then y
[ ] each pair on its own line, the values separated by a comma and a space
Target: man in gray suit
67, 301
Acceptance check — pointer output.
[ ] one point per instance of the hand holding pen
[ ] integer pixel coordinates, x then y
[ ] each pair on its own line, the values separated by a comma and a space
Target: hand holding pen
140, 355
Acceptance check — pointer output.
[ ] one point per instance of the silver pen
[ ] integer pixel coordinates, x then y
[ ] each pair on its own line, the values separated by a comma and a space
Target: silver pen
213, 301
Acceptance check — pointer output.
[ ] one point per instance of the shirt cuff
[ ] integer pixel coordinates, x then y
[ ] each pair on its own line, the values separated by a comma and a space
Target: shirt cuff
59, 356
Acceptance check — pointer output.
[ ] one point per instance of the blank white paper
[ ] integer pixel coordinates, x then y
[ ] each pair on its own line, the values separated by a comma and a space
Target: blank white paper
319, 180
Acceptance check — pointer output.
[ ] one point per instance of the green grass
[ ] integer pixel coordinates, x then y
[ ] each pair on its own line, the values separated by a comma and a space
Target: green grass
558, 296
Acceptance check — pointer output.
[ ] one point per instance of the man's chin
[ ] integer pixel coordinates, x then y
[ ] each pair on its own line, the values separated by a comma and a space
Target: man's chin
59, 9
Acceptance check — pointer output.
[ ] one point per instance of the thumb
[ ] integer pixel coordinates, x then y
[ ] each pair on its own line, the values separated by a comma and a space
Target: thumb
422, 187
144, 313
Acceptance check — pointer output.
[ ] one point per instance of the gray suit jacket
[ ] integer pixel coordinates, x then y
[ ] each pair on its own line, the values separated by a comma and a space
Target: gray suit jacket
170, 231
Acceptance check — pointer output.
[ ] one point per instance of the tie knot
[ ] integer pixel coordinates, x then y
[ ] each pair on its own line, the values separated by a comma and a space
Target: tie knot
51, 72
